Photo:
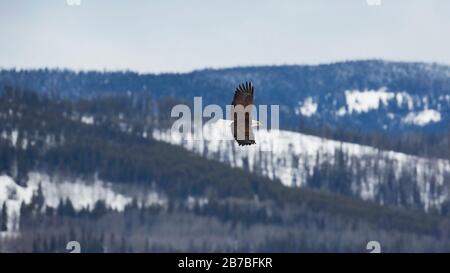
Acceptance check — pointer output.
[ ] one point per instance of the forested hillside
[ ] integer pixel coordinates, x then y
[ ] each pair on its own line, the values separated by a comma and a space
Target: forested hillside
390, 105
105, 146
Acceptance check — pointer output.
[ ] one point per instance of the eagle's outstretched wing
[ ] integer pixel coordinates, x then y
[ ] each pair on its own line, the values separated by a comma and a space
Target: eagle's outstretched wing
242, 114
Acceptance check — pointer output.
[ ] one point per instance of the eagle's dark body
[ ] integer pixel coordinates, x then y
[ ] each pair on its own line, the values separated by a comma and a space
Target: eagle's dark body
242, 115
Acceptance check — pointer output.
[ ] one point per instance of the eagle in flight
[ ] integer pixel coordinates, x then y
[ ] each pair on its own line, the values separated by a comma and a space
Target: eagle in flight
241, 112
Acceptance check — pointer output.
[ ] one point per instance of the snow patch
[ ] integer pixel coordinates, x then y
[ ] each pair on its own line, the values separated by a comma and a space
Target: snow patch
341, 112
89, 120
82, 194
423, 118
308, 108
14, 136
404, 98
12, 195
367, 100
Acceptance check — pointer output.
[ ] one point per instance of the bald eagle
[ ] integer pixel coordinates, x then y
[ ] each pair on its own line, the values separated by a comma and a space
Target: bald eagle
242, 124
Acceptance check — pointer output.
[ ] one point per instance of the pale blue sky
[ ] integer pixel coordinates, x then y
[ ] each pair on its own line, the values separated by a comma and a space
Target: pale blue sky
182, 35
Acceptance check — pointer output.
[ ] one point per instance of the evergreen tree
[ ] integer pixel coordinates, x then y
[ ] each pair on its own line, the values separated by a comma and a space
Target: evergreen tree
38, 199
4, 218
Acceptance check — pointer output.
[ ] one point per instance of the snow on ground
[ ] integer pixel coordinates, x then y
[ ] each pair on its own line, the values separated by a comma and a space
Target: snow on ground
292, 157
14, 136
422, 118
89, 120
82, 194
404, 98
357, 101
79, 192
364, 101
12, 195
308, 108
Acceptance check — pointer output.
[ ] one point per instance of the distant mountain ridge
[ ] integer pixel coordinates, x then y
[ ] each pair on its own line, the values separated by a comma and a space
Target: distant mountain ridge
371, 95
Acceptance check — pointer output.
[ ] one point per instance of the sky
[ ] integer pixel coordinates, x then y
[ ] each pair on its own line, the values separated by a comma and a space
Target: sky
184, 35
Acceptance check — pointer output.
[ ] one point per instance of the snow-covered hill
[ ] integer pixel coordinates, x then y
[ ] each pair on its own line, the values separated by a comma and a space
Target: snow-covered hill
82, 194
297, 160
382, 108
